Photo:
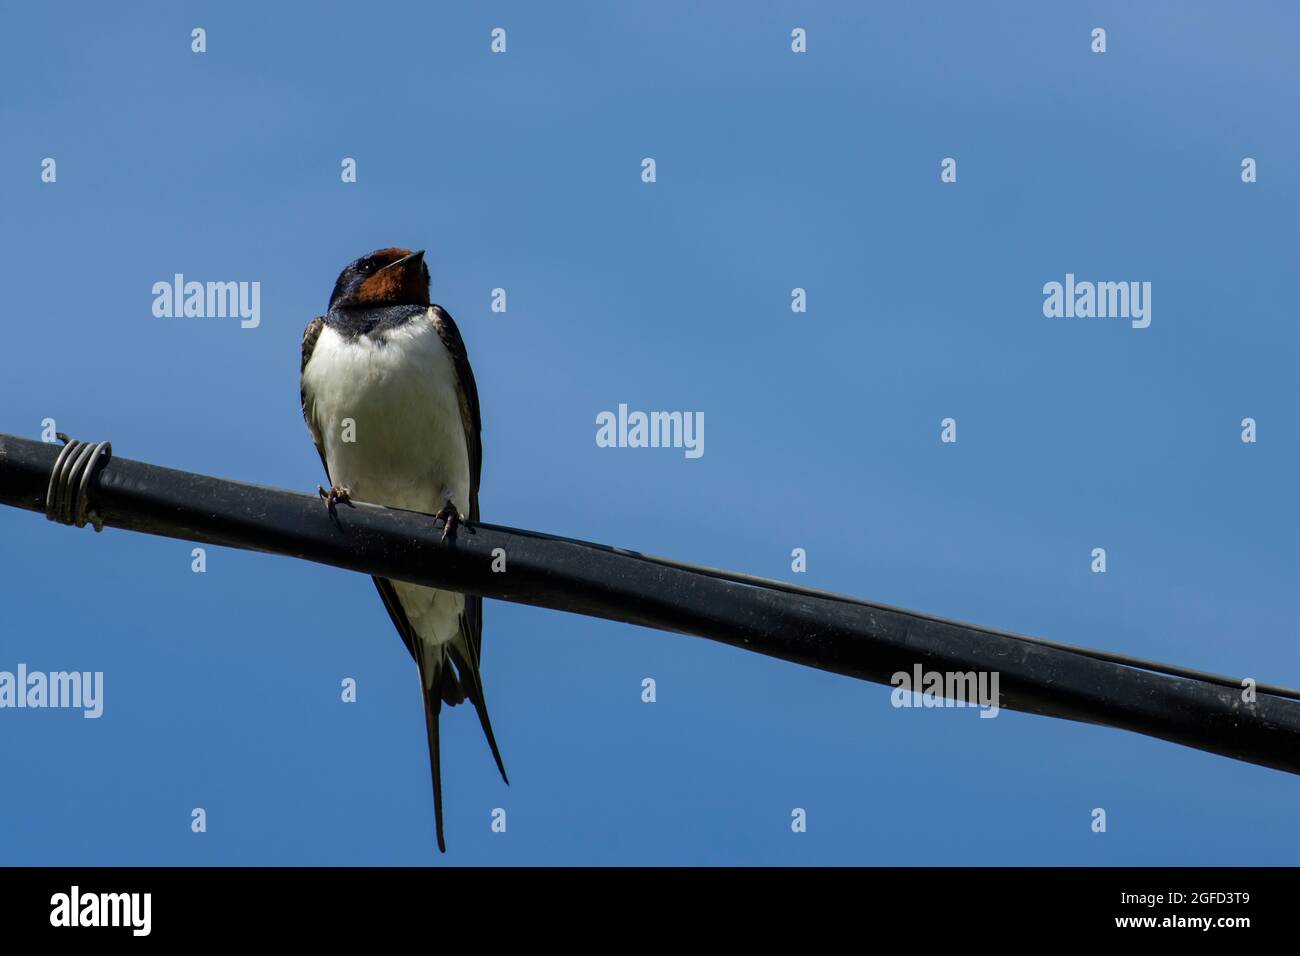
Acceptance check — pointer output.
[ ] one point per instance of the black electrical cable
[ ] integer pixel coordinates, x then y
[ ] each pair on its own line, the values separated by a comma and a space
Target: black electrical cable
844, 635
1157, 667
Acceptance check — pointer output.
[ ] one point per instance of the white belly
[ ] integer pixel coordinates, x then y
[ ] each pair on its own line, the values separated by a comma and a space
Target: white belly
387, 414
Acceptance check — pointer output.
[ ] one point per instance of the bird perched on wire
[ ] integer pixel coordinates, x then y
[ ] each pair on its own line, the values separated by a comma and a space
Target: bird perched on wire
390, 400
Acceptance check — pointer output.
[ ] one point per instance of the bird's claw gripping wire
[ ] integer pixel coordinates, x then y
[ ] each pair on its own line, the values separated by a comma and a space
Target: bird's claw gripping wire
337, 494
451, 517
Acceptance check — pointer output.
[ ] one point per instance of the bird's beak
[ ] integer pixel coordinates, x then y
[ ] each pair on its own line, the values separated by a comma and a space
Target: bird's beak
411, 261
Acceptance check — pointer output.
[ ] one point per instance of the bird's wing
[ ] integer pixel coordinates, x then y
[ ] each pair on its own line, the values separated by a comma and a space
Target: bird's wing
400, 621
309, 337
473, 425
466, 648
469, 413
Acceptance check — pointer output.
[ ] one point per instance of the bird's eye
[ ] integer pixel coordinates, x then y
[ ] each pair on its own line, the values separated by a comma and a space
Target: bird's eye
366, 268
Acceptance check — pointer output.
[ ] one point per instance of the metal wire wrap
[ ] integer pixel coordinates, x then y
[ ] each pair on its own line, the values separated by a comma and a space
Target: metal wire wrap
67, 500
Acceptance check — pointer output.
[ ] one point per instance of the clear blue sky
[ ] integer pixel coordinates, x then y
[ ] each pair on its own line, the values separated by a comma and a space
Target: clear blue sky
775, 170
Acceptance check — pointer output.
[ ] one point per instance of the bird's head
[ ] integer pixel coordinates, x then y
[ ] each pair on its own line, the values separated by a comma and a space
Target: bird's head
385, 277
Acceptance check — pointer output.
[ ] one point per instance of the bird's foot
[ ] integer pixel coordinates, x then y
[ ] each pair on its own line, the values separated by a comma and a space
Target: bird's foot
451, 517
334, 496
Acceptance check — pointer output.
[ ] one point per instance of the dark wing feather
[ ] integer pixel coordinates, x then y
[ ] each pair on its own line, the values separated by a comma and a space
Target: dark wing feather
473, 425
398, 616
467, 658
469, 413
309, 337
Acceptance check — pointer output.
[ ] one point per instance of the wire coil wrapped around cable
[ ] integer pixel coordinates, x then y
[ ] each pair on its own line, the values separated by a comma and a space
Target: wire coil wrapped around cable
67, 500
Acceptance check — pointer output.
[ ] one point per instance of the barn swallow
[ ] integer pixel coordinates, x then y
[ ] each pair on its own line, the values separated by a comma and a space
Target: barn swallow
394, 364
